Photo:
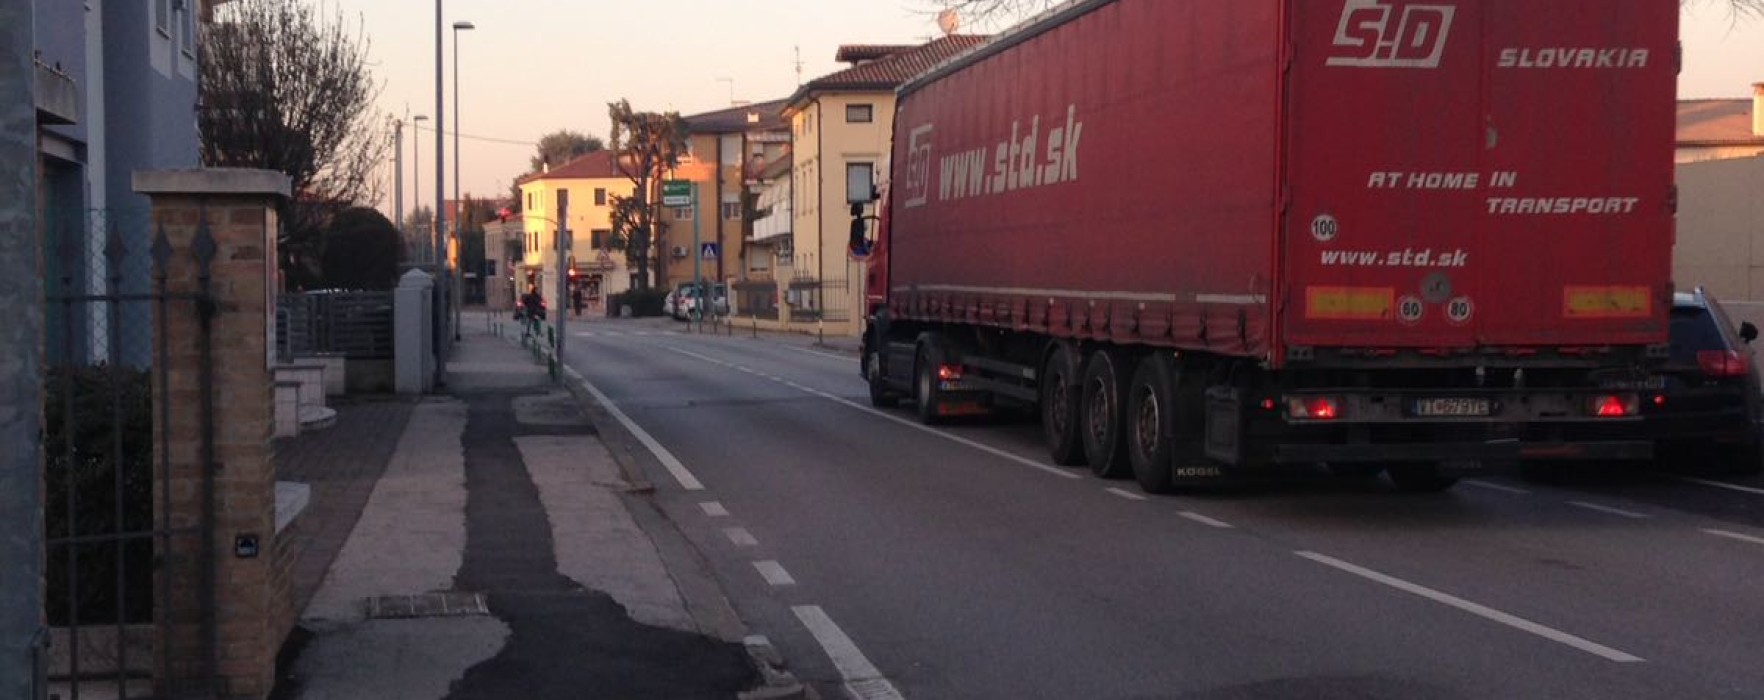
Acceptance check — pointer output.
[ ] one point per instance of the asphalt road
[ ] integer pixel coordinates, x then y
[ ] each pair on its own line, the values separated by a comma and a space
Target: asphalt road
886, 559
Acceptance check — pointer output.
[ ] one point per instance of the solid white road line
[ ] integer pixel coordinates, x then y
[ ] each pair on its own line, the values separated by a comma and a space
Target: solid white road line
1204, 520
910, 424
818, 353
714, 509
1736, 536
774, 573
1129, 495
667, 459
1608, 509
1478, 483
1723, 485
740, 536
862, 679
1478, 610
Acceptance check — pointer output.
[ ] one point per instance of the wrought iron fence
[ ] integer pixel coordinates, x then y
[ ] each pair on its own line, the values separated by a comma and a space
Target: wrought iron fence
757, 299
819, 300
356, 325
106, 540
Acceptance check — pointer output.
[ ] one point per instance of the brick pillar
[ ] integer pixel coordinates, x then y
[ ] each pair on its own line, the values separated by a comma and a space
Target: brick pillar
228, 217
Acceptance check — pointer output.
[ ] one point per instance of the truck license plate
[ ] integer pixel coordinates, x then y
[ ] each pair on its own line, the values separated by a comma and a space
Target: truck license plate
1453, 408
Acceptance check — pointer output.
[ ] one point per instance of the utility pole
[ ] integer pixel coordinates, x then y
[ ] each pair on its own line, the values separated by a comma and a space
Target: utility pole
698, 260
398, 179
562, 309
22, 634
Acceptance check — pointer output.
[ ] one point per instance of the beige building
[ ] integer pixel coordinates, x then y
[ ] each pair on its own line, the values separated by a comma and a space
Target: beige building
1720, 242
840, 126
588, 184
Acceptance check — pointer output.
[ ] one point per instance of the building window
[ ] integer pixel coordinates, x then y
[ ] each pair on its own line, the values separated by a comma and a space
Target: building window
530, 204
600, 196
598, 238
860, 114
162, 16
731, 150
682, 213
731, 210
188, 27
860, 182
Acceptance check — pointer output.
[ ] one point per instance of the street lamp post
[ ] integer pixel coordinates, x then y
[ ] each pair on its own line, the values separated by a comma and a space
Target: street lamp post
440, 315
458, 239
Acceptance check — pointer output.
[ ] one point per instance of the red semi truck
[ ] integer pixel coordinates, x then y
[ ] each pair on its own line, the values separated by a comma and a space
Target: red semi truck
1205, 237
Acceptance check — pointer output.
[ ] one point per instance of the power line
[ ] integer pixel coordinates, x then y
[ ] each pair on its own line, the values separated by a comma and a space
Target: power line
490, 139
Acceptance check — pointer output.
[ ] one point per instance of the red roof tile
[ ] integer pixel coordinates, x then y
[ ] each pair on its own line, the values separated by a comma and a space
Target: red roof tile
1716, 122
598, 164
892, 70
735, 119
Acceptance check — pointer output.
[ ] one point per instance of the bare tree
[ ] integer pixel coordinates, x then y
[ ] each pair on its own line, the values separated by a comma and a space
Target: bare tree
647, 145
286, 89
1005, 12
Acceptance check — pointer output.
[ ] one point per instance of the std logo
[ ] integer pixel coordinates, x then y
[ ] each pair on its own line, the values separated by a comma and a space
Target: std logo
1391, 34
917, 188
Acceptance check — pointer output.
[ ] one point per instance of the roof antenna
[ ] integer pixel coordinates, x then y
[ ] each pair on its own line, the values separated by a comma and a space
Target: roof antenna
799, 66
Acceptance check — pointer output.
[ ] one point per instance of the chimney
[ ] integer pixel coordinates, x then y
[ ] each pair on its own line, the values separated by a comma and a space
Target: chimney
1758, 109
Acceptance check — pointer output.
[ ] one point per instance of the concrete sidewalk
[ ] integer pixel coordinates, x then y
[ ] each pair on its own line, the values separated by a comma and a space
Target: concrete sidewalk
505, 553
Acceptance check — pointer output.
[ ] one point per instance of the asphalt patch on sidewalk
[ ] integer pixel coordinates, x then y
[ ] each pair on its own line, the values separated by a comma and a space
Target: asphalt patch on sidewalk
566, 641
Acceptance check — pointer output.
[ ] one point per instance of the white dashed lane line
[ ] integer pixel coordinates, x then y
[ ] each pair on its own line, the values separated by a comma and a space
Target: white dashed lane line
1478, 483
1609, 510
1129, 495
714, 509
740, 536
1735, 536
1476, 609
774, 573
1723, 485
1204, 520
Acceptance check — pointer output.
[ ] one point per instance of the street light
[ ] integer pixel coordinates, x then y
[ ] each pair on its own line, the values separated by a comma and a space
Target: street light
458, 242
416, 161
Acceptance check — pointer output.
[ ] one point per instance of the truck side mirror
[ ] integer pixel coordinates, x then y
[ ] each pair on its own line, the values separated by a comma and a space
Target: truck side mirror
1748, 332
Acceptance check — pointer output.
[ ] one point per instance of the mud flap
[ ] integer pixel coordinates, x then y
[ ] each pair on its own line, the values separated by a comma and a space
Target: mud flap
1224, 429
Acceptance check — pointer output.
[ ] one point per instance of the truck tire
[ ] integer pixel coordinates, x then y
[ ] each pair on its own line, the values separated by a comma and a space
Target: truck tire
1103, 425
1419, 477
880, 395
926, 391
1152, 425
1059, 408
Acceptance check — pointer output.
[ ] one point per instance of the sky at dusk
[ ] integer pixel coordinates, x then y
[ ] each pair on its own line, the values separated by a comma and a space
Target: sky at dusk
535, 66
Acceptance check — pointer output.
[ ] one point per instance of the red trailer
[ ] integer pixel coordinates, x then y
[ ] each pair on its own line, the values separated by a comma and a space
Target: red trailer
1211, 235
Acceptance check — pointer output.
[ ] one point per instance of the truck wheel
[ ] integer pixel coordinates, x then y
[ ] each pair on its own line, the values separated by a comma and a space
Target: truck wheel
1151, 425
1419, 477
880, 395
1105, 433
926, 391
1059, 408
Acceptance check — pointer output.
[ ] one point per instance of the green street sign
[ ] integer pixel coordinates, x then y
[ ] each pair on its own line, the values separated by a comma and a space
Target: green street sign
676, 193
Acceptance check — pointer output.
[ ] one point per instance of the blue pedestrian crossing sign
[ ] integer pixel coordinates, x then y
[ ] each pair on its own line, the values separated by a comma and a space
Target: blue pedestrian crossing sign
707, 251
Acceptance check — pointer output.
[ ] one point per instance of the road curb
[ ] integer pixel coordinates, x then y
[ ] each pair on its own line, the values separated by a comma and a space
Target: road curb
780, 683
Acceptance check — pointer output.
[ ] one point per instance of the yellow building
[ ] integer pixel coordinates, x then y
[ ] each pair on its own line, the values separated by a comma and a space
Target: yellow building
726, 150
840, 127
588, 185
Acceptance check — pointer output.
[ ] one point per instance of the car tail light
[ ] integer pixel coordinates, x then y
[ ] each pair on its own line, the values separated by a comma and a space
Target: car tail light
1613, 406
1313, 408
949, 373
1723, 363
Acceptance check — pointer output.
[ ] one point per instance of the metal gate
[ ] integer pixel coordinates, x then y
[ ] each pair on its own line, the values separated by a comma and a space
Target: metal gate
108, 528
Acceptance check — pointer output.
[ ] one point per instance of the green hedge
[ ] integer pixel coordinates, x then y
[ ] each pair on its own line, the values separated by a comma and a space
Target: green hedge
643, 302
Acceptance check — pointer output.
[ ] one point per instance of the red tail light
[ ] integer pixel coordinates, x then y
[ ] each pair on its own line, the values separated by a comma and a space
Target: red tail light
1723, 363
949, 373
1613, 406
1313, 408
